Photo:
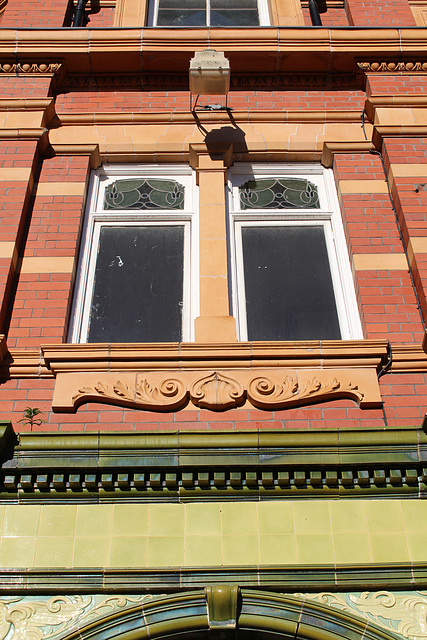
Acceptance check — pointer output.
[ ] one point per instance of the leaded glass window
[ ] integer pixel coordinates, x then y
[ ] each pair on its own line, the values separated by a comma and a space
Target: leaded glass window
279, 193
134, 281
200, 13
144, 194
291, 277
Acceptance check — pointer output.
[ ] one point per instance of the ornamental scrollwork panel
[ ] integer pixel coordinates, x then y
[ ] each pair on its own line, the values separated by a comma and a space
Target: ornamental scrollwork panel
216, 390
404, 613
49, 618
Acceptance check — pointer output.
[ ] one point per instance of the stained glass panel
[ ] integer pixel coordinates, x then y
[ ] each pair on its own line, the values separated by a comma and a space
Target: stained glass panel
279, 193
144, 194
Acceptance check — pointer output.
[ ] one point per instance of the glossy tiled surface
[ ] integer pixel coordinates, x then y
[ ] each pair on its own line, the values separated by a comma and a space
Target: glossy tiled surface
205, 534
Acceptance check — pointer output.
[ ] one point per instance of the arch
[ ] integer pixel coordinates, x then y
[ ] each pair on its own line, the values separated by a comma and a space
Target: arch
244, 614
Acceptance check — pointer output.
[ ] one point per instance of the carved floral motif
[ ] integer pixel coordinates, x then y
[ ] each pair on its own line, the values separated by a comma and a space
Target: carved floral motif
405, 613
31, 67
392, 67
169, 394
24, 618
218, 390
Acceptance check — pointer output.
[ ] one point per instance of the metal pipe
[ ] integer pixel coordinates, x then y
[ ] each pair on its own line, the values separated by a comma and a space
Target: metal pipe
314, 13
80, 13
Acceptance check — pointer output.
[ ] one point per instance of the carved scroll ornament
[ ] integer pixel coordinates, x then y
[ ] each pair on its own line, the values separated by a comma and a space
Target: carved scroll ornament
216, 390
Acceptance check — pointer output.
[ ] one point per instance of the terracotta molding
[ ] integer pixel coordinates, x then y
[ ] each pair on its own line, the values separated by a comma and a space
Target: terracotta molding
24, 364
409, 358
180, 81
178, 117
38, 68
23, 134
217, 390
147, 46
331, 148
326, 354
397, 66
392, 102
397, 131
91, 150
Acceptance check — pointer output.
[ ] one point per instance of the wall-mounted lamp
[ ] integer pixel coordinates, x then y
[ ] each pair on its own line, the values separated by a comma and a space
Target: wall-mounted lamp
209, 75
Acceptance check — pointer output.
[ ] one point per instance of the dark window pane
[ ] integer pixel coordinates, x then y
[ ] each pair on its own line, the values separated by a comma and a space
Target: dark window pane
289, 291
238, 17
234, 4
181, 18
138, 286
182, 6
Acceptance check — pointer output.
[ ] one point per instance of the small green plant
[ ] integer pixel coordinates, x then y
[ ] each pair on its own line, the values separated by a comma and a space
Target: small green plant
30, 417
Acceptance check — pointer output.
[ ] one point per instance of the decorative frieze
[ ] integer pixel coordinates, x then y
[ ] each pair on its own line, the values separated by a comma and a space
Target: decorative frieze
217, 390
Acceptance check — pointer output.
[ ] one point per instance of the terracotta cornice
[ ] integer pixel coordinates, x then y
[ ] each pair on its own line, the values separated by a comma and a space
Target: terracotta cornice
331, 148
154, 49
283, 116
76, 149
397, 131
406, 101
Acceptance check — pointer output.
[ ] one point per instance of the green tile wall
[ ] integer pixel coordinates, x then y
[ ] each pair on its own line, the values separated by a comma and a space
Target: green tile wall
206, 534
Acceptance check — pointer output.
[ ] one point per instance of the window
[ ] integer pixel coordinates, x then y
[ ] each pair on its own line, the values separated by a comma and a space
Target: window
134, 280
210, 13
291, 273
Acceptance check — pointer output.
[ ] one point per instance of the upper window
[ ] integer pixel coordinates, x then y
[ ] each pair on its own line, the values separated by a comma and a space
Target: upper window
134, 283
291, 273
207, 13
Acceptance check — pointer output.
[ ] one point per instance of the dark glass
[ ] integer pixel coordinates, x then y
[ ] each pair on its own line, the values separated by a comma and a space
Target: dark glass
234, 18
288, 283
138, 287
181, 18
182, 6
234, 4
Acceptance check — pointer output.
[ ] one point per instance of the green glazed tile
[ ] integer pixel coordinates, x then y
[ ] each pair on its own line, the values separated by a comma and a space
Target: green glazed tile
94, 519
312, 516
317, 549
21, 520
239, 518
166, 520
57, 520
165, 551
384, 515
275, 549
240, 550
417, 546
54, 552
203, 518
92, 551
348, 516
17, 553
130, 520
352, 548
202, 551
414, 514
275, 517
126, 554
389, 547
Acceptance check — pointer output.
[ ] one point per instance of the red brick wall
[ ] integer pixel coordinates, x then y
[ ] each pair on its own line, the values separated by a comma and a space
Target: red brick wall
42, 299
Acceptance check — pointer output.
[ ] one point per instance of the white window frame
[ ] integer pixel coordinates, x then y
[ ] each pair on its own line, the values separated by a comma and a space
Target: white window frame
263, 12
96, 217
328, 216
